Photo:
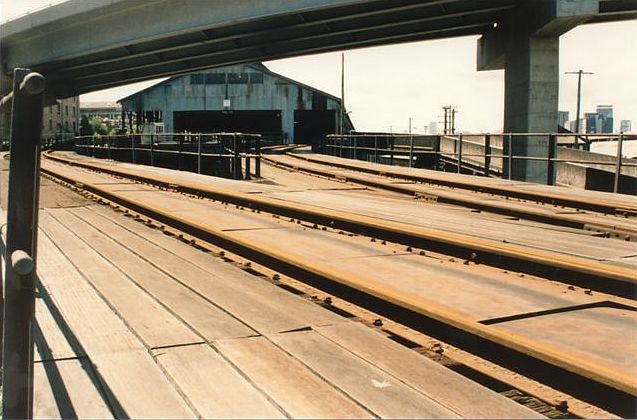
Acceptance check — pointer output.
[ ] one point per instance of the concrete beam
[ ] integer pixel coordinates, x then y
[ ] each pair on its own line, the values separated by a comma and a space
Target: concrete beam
549, 18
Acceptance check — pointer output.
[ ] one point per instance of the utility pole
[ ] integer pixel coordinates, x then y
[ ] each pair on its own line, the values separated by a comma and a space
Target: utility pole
450, 119
579, 96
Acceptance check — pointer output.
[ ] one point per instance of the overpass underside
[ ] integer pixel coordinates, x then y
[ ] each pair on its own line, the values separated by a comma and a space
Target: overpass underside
82, 46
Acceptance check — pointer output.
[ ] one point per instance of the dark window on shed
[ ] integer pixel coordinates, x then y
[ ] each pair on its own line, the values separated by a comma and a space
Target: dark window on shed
237, 78
256, 77
196, 79
216, 78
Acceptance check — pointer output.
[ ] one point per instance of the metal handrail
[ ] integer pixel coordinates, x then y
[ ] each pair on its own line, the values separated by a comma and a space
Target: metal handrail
348, 145
236, 147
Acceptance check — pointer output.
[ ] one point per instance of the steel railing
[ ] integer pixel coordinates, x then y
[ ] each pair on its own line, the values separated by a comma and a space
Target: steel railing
486, 154
19, 247
223, 154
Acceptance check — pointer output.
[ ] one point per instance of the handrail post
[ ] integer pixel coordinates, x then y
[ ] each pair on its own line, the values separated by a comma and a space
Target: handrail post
237, 159
618, 162
181, 145
198, 153
391, 150
375, 148
437, 152
487, 154
21, 244
550, 161
257, 162
246, 142
510, 162
411, 147
152, 149
459, 153
132, 142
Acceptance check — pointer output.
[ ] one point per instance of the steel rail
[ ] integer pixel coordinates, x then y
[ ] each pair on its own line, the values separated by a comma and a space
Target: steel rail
583, 368
537, 215
464, 245
605, 206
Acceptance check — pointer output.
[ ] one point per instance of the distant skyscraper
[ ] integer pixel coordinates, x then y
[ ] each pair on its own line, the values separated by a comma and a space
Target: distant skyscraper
625, 126
592, 122
562, 118
605, 113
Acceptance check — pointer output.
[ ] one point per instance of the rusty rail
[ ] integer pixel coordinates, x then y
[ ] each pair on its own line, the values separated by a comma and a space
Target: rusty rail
622, 382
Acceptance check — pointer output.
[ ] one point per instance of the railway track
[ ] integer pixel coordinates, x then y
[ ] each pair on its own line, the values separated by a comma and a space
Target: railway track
610, 204
606, 383
596, 275
617, 227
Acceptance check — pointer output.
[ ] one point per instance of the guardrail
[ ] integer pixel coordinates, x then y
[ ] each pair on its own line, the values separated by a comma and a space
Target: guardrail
20, 247
486, 154
221, 154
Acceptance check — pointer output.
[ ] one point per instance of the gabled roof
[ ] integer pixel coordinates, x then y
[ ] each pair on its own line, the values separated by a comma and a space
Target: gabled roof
257, 66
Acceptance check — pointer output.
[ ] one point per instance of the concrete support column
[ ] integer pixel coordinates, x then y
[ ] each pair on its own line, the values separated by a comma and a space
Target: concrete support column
531, 100
526, 45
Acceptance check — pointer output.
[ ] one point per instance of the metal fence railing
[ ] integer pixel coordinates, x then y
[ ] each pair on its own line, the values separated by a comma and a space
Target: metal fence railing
493, 155
19, 245
230, 155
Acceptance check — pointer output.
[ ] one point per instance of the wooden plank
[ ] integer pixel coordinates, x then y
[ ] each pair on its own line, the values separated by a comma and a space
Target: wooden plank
86, 313
259, 304
463, 396
207, 319
379, 392
49, 336
153, 323
212, 385
137, 385
67, 389
300, 392
122, 363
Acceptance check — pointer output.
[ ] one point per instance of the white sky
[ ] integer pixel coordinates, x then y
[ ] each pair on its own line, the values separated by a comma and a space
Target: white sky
385, 86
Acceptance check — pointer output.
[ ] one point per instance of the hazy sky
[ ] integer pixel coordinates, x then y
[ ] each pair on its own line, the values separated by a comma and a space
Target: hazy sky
384, 86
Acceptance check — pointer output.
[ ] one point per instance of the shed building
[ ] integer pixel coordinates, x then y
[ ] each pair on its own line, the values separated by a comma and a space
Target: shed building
243, 98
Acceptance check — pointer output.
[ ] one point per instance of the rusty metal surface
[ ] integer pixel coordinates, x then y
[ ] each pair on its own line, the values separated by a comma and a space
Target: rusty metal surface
599, 201
551, 214
373, 225
424, 293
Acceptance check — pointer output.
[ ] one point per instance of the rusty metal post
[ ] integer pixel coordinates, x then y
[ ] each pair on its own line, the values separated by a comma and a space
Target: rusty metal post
487, 154
21, 246
236, 167
550, 161
132, 148
181, 145
437, 152
375, 149
510, 161
618, 162
247, 152
257, 162
411, 148
198, 153
459, 153
152, 149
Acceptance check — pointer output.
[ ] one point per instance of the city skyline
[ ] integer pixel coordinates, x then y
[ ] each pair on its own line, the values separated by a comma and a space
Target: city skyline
416, 79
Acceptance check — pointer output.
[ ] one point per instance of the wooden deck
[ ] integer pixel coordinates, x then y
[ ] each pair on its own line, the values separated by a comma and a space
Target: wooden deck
134, 323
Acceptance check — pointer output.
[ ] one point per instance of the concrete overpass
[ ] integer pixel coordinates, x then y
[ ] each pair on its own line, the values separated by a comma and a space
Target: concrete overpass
88, 45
